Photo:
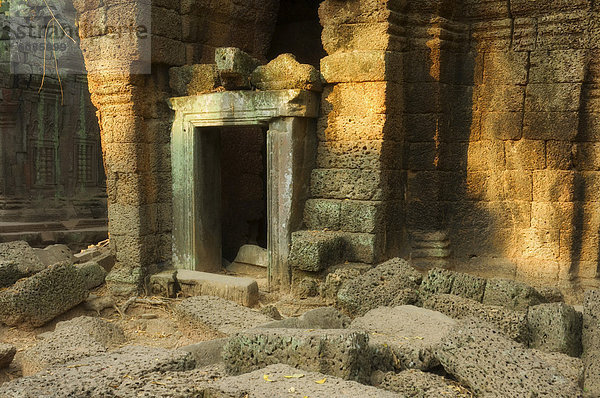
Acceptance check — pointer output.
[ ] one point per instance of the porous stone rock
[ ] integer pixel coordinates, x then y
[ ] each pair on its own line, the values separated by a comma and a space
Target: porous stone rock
510, 294
17, 260
40, 298
338, 276
99, 303
71, 340
339, 352
418, 384
492, 365
512, 323
235, 67
93, 274
7, 353
314, 251
391, 283
318, 318
284, 72
591, 342
271, 311
54, 254
100, 375
193, 79
303, 384
442, 281
207, 352
407, 334
555, 327
219, 314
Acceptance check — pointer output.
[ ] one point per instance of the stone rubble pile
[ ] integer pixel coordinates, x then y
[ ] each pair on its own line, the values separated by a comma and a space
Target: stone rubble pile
459, 336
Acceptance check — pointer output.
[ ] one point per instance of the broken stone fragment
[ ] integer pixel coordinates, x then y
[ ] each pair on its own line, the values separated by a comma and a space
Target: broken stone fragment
284, 73
391, 283
71, 340
18, 260
193, 79
40, 298
443, 281
511, 294
555, 327
512, 323
404, 337
219, 314
339, 352
235, 67
7, 353
93, 274
493, 365
290, 381
318, 318
591, 341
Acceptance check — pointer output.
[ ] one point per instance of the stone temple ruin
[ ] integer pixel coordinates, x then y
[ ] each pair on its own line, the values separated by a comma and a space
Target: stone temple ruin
431, 163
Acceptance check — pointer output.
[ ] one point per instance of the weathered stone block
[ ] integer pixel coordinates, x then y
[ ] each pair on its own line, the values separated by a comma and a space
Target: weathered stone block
358, 36
362, 66
406, 333
587, 156
318, 318
555, 327
507, 67
235, 67
315, 251
335, 279
554, 186
491, 364
361, 216
510, 294
219, 314
437, 281
322, 214
241, 290
363, 99
485, 155
7, 353
556, 97
562, 126
412, 383
254, 385
341, 353
23, 256
93, 274
394, 282
502, 125
559, 66
193, 79
347, 184
284, 72
512, 323
525, 155
72, 340
591, 341
560, 155
363, 247
501, 98
40, 298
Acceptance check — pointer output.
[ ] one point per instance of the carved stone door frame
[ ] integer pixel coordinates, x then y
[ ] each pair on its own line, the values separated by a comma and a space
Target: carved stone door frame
289, 116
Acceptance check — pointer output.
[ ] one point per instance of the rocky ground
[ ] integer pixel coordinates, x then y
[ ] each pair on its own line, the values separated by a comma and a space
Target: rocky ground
387, 331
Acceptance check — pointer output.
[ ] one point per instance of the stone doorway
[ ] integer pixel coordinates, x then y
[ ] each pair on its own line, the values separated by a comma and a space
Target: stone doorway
288, 116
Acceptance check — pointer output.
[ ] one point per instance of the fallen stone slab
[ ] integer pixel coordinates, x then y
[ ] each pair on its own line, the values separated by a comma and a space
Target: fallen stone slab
418, 384
555, 327
443, 281
511, 294
7, 353
93, 274
512, 323
591, 341
492, 365
40, 298
339, 352
570, 367
100, 376
318, 318
71, 340
219, 314
406, 335
55, 254
208, 352
391, 283
187, 283
17, 260
275, 381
